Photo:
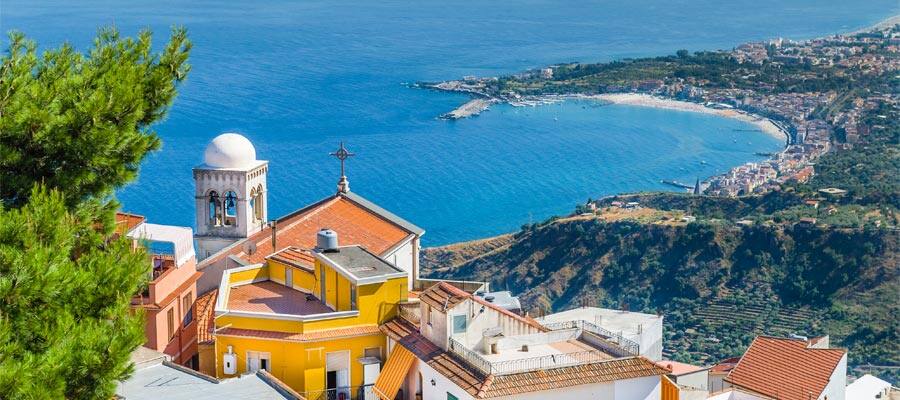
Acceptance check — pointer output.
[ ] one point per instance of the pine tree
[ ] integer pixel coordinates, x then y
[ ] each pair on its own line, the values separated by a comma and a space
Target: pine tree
66, 330
73, 128
83, 123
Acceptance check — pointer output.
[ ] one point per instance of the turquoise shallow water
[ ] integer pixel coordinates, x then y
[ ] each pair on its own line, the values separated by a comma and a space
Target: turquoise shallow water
297, 77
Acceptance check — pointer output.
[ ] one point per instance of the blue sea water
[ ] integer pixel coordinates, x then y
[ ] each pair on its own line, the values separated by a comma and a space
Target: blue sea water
297, 77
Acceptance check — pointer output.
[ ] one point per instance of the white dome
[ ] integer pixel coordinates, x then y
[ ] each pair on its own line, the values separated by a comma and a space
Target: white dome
229, 150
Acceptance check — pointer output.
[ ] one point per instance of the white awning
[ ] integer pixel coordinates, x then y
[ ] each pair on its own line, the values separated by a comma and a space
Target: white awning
182, 239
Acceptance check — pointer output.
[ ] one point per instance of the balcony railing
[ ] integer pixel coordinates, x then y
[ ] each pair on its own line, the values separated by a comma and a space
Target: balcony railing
525, 364
629, 346
471, 357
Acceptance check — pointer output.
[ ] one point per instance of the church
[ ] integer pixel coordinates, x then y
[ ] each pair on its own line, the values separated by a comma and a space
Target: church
233, 228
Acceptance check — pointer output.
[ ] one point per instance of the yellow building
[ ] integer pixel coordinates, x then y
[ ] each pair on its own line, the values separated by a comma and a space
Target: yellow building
310, 318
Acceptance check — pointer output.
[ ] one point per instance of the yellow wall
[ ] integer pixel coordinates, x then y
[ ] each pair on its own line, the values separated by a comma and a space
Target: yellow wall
301, 365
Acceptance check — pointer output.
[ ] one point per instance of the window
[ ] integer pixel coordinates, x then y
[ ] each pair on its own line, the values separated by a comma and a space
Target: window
451, 397
459, 324
214, 209
230, 208
188, 309
352, 297
373, 352
171, 321
427, 314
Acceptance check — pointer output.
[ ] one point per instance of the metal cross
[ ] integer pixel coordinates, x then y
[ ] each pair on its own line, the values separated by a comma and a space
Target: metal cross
342, 154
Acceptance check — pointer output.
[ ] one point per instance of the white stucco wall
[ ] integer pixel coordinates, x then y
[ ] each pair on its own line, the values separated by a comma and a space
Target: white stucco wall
404, 257
837, 383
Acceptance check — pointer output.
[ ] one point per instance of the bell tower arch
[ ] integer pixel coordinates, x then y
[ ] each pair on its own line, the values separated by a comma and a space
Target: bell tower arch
230, 193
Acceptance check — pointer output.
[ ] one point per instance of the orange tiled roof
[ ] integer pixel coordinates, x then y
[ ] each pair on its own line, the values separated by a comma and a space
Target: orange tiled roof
125, 222
295, 256
557, 378
314, 336
355, 222
725, 366
204, 310
483, 386
445, 296
786, 369
678, 368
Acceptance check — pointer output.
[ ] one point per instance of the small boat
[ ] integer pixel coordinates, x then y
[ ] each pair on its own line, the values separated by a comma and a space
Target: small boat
703, 162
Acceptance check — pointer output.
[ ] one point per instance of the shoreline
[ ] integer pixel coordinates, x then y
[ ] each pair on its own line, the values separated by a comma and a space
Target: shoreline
764, 124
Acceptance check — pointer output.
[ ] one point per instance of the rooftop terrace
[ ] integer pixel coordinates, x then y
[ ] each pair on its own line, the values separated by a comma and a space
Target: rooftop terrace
271, 297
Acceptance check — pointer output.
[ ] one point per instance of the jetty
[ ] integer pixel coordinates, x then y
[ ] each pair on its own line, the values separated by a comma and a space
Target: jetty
677, 184
471, 108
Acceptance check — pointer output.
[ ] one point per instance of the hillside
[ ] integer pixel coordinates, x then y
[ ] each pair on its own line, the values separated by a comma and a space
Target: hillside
718, 284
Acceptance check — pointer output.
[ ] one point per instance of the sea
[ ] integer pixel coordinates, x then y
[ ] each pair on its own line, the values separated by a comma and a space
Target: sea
298, 77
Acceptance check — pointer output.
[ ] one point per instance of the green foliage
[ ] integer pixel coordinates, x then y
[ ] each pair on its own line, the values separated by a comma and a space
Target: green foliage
65, 293
83, 123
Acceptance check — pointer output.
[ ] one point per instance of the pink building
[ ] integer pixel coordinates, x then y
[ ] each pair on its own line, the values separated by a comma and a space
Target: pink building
169, 297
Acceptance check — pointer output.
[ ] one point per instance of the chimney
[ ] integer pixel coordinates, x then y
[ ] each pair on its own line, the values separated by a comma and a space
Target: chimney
274, 230
327, 241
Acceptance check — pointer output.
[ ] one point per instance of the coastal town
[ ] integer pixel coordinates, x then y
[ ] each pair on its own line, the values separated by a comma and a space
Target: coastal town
327, 303
777, 280
812, 121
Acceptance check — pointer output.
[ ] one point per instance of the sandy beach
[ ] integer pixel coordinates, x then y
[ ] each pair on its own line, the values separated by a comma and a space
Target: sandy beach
645, 100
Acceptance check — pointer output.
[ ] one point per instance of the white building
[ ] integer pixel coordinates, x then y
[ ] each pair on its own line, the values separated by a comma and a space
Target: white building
868, 387
628, 328
461, 346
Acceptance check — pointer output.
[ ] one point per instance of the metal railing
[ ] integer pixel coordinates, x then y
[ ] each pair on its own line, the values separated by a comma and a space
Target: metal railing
363, 392
470, 357
629, 346
525, 364
546, 362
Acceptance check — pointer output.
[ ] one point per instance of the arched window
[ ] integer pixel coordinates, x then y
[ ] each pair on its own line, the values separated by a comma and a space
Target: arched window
214, 209
253, 195
230, 206
259, 206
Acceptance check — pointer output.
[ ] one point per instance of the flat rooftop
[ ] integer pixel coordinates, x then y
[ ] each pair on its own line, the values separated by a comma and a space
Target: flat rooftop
546, 349
272, 297
613, 320
359, 264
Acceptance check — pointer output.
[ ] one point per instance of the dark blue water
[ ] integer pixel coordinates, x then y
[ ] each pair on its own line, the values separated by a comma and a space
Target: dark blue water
297, 77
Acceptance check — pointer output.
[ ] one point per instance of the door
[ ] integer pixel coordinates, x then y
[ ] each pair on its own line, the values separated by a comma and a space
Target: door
288, 277
252, 361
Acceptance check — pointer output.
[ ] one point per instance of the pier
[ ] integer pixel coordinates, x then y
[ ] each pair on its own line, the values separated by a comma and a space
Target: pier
471, 108
677, 184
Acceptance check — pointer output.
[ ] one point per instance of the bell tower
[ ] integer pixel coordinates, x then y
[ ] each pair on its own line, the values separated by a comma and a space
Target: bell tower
230, 193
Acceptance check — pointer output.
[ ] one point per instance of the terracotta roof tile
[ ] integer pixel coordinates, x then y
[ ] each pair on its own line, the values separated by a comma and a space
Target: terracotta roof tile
354, 222
786, 369
397, 328
363, 330
445, 296
204, 309
556, 378
294, 256
125, 222
479, 385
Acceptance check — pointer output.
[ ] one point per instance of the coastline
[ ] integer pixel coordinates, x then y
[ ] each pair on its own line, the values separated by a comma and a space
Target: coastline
765, 125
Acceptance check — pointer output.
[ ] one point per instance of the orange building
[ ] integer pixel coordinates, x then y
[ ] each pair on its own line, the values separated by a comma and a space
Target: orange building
168, 300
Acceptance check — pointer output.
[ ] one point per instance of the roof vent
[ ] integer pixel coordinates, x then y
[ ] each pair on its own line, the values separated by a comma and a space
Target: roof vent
489, 299
327, 241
